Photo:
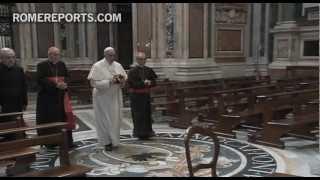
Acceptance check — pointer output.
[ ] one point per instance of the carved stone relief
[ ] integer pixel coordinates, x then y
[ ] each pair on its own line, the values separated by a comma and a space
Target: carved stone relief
231, 15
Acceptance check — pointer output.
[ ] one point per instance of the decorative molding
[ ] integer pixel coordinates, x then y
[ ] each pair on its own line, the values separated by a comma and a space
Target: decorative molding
229, 59
229, 33
225, 53
230, 14
282, 48
82, 63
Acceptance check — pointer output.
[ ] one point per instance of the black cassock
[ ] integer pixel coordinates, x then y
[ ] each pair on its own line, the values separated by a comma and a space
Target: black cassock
140, 100
13, 90
50, 101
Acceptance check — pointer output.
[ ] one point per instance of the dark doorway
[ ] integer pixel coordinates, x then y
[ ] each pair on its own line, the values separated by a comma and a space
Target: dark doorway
123, 31
120, 36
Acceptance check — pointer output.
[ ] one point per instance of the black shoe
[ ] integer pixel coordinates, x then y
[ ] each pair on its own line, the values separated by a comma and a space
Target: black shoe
108, 147
72, 146
152, 134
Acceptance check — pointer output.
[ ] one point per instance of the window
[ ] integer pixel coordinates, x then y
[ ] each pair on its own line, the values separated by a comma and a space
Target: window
311, 48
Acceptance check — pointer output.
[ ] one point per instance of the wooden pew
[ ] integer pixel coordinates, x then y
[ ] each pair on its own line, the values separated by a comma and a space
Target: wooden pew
309, 72
22, 157
163, 97
302, 121
166, 95
213, 103
11, 149
253, 115
235, 104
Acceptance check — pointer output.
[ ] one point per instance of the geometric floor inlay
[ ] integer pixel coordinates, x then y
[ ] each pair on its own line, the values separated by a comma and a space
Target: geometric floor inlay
164, 155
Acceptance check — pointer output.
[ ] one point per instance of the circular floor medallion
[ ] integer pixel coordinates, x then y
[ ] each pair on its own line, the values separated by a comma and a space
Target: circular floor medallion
164, 155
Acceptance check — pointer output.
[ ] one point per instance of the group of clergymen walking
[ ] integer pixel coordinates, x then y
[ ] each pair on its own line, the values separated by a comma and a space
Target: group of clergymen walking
107, 77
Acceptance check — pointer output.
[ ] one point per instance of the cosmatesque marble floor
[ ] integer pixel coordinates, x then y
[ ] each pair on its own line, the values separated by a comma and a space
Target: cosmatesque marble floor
300, 157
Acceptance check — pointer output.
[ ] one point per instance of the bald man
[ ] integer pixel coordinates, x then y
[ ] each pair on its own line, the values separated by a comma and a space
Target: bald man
107, 77
13, 86
52, 76
140, 79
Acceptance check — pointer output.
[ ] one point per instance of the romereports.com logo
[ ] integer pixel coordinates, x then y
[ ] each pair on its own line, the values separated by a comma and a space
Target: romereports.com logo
65, 17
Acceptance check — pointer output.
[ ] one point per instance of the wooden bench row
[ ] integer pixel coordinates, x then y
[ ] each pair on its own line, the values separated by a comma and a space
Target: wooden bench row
228, 109
22, 152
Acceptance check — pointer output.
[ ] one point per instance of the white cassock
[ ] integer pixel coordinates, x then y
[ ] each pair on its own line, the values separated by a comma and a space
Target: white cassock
107, 101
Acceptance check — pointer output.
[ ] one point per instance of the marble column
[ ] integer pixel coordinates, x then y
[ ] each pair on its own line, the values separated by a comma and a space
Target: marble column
256, 32
287, 11
92, 41
154, 38
82, 33
56, 28
70, 33
34, 34
25, 38
134, 29
267, 35
213, 26
185, 30
205, 32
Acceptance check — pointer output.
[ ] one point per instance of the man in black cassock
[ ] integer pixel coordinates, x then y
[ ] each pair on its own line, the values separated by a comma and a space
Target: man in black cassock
140, 79
13, 89
50, 101
13, 86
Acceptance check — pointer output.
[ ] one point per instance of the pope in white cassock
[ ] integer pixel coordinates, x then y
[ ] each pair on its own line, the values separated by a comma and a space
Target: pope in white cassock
107, 77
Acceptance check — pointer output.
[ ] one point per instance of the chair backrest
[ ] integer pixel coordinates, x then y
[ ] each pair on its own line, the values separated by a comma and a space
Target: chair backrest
192, 130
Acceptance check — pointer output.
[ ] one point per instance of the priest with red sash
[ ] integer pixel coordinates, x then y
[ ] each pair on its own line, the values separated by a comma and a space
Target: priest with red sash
140, 80
53, 103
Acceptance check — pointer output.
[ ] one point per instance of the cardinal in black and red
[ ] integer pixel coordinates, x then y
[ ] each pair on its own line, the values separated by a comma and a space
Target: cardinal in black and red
53, 104
140, 80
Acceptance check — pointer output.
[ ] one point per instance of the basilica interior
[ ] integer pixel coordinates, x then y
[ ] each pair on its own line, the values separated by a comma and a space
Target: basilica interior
244, 77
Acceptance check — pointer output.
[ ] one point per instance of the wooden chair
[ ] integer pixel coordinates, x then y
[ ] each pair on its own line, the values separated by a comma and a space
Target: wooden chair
192, 130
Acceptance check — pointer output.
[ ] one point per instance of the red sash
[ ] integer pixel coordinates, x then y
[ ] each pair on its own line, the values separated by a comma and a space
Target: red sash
67, 105
144, 90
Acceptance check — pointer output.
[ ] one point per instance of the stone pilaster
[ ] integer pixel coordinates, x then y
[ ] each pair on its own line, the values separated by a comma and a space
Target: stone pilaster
82, 33
134, 29
56, 27
34, 34
92, 38
70, 33
25, 38
288, 41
